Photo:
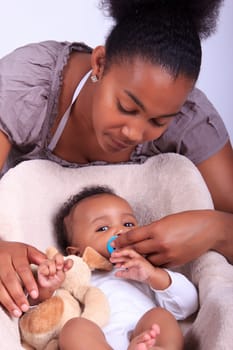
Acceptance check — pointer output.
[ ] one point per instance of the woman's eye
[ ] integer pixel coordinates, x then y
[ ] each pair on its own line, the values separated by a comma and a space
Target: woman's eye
124, 110
102, 228
129, 224
155, 122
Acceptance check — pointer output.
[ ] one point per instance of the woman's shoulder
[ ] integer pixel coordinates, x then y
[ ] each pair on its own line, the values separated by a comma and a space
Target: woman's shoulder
40, 51
197, 132
33, 50
198, 101
30, 80
202, 120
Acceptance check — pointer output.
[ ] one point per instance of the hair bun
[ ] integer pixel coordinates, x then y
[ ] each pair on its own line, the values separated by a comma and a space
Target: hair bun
203, 13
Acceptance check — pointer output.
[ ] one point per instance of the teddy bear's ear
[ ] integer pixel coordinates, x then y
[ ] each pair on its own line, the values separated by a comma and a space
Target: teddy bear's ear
95, 260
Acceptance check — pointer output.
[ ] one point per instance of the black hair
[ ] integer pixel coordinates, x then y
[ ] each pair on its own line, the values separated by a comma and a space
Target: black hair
60, 227
167, 33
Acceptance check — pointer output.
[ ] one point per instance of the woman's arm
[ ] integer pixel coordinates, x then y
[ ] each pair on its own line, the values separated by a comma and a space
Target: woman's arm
217, 172
182, 237
5, 147
15, 259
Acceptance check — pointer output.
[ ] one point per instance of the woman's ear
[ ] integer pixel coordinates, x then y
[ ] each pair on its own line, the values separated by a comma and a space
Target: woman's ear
98, 61
72, 251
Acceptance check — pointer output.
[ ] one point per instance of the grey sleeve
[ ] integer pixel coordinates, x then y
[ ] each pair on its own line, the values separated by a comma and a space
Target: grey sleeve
26, 77
198, 132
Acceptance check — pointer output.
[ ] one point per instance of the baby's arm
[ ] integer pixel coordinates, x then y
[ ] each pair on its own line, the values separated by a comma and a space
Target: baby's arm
180, 298
135, 267
50, 276
173, 291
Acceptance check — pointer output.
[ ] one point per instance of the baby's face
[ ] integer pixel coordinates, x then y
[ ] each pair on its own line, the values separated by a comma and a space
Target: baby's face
96, 219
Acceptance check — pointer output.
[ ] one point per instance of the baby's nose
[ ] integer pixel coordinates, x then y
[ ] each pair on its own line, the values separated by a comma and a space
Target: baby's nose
119, 232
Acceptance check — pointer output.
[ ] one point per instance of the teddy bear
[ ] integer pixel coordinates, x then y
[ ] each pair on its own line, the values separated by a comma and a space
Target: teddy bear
40, 325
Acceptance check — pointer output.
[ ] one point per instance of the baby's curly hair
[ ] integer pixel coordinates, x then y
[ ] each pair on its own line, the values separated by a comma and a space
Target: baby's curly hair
61, 233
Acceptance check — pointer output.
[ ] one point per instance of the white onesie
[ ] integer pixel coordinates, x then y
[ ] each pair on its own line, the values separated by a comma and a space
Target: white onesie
129, 300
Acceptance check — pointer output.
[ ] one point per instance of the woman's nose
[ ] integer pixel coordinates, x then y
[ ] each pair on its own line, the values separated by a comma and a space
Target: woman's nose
133, 132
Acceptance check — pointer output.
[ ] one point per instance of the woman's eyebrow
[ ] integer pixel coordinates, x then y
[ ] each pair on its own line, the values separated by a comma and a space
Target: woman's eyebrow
141, 105
135, 99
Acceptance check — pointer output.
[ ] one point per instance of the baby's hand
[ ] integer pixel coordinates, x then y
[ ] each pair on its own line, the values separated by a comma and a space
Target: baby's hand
50, 275
134, 266
51, 272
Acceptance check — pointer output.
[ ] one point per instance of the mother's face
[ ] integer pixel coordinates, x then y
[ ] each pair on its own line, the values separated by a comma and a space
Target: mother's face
135, 102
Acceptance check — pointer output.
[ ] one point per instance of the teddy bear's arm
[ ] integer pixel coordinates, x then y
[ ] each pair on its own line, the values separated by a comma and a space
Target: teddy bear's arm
96, 306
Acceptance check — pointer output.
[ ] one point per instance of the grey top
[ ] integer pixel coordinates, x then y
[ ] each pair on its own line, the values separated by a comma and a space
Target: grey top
30, 83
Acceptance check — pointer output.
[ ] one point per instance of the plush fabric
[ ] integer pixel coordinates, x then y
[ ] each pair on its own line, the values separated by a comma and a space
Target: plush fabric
32, 192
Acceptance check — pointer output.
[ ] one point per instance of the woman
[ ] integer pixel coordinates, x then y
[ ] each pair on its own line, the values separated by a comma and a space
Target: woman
136, 98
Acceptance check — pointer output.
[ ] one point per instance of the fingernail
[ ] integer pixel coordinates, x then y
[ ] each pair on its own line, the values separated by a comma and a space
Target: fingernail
33, 294
24, 307
16, 313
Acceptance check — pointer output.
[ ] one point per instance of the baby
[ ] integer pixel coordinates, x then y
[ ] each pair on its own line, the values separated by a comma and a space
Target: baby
146, 301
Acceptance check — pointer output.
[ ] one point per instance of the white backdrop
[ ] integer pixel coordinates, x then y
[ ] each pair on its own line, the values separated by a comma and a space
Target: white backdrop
24, 21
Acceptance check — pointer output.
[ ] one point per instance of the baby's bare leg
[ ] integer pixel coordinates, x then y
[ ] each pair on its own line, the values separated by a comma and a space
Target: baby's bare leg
170, 337
81, 334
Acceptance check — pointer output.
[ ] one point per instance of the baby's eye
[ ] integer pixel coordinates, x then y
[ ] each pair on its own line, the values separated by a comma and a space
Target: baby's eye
129, 224
102, 228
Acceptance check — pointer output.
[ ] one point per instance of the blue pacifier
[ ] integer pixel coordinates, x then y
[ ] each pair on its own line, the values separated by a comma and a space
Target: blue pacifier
109, 247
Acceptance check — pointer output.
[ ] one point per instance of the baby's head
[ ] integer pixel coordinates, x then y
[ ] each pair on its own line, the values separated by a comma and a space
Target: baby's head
93, 217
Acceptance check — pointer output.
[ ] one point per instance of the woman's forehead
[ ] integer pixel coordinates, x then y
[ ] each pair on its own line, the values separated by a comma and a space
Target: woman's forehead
151, 85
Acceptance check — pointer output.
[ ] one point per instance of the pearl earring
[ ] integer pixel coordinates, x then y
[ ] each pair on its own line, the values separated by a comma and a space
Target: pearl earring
94, 78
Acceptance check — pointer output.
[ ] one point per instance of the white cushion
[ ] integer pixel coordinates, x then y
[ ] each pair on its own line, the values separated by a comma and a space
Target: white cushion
32, 192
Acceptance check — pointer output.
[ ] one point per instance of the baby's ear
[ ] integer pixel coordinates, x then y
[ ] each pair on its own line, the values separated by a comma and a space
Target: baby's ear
95, 260
72, 251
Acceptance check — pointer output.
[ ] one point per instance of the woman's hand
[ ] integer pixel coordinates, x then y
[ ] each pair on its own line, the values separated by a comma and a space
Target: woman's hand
174, 239
16, 274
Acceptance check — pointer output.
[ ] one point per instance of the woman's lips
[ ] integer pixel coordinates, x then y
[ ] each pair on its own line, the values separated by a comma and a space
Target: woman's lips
120, 145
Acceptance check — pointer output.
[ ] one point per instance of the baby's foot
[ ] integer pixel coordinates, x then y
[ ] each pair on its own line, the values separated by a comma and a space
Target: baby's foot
145, 340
